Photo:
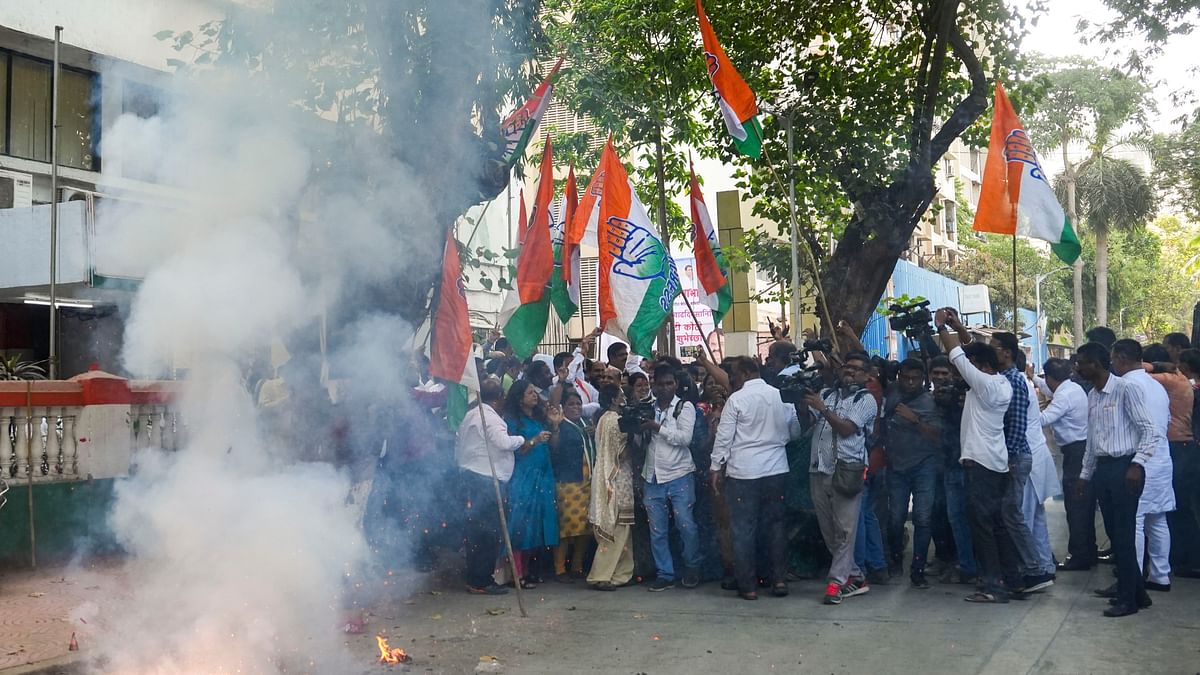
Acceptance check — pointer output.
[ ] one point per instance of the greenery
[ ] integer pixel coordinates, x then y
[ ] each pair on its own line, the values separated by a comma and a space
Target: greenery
875, 91
13, 368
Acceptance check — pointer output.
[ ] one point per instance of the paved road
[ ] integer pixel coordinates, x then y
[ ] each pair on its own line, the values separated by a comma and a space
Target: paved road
893, 629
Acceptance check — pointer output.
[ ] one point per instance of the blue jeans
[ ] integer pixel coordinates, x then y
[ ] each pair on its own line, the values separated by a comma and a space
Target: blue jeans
868, 543
681, 496
919, 481
956, 511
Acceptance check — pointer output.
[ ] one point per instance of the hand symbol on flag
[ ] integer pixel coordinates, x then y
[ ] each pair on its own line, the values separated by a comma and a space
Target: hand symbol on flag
638, 253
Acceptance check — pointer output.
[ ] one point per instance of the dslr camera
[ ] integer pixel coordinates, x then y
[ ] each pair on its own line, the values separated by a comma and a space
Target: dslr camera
631, 416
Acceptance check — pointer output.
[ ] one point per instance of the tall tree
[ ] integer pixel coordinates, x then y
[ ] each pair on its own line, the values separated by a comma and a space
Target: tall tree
1113, 195
876, 92
1082, 102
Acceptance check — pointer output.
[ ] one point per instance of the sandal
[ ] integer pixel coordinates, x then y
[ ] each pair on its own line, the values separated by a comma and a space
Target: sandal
982, 597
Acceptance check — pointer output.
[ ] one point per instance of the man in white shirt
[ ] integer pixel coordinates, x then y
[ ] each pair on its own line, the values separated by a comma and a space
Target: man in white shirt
484, 446
1158, 496
1066, 415
669, 480
984, 454
1122, 438
749, 461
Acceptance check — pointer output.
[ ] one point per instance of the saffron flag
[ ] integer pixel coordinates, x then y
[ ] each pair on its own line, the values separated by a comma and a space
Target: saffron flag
638, 279
711, 269
450, 352
521, 126
1016, 197
564, 289
526, 309
734, 96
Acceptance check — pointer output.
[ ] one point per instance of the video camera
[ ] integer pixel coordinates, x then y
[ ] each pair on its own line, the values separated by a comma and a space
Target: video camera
916, 322
631, 416
799, 379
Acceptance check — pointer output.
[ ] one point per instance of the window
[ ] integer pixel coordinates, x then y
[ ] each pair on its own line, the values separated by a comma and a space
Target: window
951, 217
140, 99
26, 126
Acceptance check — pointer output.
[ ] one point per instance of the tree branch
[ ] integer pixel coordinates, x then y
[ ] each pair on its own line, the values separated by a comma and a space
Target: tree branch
970, 108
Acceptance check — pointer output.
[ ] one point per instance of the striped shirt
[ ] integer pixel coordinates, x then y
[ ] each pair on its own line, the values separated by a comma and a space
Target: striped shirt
1119, 425
1016, 418
859, 408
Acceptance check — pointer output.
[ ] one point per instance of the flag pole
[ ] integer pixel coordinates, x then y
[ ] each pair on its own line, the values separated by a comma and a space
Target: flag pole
698, 326
512, 559
1016, 327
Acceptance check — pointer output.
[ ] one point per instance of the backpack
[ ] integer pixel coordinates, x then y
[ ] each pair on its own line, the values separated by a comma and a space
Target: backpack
701, 452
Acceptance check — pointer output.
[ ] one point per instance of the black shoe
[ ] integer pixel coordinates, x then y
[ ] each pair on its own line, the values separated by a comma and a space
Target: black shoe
660, 585
780, 590
878, 577
1144, 602
1106, 556
602, 586
918, 581
1110, 592
1162, 588
1120, 610
1074, 565
1039, 582
691, 579
729, 584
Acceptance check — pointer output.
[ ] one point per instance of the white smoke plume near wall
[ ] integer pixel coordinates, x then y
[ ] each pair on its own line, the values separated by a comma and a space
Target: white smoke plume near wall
240, 548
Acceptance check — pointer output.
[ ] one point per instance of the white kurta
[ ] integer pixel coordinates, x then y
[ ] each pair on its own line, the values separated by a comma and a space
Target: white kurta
1044, 475
1158, 495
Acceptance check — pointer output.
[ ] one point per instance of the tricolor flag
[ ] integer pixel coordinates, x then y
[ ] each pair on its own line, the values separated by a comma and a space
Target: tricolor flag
734, 96
564, 289
638, 280
527, 307
711, 269
1016, 197
450, 354
521, 126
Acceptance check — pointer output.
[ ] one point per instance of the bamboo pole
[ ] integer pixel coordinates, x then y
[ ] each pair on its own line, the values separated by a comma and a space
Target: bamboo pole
512, 559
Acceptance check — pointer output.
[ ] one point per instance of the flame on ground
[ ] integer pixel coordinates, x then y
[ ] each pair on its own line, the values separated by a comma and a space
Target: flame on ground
389, 654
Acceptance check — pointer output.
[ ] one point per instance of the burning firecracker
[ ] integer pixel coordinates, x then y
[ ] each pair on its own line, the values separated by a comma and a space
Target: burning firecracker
388, 654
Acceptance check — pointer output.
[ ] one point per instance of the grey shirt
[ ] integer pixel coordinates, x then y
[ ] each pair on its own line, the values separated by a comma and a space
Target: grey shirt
906, 446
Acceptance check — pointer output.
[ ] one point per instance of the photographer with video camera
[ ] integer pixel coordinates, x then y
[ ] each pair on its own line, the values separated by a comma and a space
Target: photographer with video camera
841, 416
669, 480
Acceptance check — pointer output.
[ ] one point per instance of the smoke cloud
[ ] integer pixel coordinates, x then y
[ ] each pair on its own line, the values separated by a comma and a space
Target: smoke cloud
246, 542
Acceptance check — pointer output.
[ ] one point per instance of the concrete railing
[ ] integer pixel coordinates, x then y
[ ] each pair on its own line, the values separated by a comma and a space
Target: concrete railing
82, 428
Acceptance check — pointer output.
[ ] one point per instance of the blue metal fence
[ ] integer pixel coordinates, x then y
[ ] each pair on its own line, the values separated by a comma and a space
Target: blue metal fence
939, 290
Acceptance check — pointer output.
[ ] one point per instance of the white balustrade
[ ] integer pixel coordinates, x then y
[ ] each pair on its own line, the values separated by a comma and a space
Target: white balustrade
40, 440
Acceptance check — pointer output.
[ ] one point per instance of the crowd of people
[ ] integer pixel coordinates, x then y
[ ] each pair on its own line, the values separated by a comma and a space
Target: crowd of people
630, 470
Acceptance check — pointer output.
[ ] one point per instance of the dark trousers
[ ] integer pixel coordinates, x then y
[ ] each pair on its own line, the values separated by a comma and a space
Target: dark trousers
1119, 507
1184, 521
757, 505
995, 552
482, 528
1081, 510
920, 483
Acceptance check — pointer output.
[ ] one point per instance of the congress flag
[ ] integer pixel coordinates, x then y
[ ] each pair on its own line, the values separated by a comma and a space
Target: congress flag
638, 279
735, 98
1016, 197
711, 268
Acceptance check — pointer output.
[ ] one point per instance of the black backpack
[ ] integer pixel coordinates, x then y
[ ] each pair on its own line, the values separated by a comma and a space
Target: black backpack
701, 452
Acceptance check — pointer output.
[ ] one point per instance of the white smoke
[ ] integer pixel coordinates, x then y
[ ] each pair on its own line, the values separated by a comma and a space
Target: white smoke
241, 553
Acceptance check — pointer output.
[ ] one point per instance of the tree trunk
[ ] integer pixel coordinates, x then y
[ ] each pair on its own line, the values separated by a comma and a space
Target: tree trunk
1073, 216
1101, 277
